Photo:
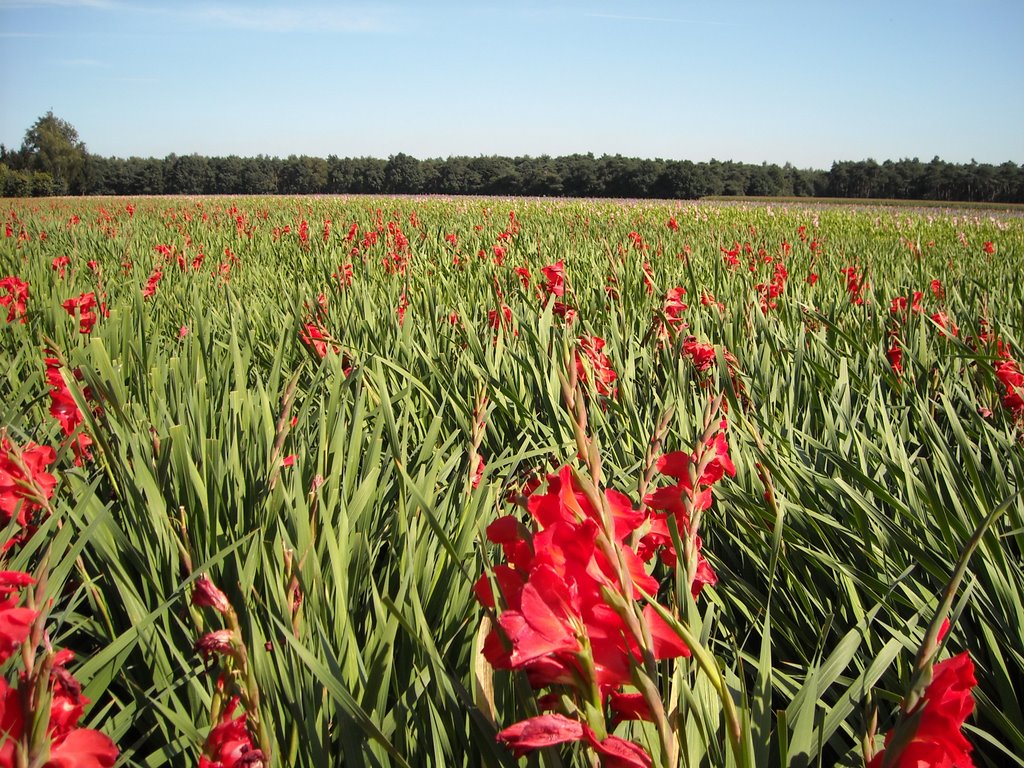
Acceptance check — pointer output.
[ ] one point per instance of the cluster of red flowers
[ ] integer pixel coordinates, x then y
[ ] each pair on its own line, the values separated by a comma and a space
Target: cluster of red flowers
671, 320
25, 486
66, 411
604, 375
1009, 373
39, 717
151, 282
554, 287
14, 297
84, 308
855, 284
568, 587
770, 291
233, 741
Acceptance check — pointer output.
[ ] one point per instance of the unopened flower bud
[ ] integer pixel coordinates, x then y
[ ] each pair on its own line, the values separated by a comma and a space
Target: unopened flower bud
206, 594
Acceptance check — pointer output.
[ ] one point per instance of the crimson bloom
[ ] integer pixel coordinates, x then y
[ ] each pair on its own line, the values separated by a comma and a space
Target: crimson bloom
13, 296
597, 361
25, 485
207, 594
554, 276
937, 720
70, 746
229, 744
549, 730
15, 622
558, 623
66, 411
84, 307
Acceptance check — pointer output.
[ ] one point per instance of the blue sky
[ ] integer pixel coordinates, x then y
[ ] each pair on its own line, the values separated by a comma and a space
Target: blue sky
746, 80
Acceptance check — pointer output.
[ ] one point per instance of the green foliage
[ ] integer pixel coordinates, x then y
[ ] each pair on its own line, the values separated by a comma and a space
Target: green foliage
351, 567
52, 146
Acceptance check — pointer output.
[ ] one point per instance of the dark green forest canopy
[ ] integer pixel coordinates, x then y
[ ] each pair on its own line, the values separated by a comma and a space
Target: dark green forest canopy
53, 161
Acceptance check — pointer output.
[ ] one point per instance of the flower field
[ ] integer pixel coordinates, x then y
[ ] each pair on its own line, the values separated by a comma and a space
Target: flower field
441, 482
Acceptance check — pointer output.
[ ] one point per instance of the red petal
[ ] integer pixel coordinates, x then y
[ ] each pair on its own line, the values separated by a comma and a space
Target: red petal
540, 731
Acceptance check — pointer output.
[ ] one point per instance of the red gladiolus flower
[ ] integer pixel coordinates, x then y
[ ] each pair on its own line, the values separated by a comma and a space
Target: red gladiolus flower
554, 275
1012, 378
604, 374
989, 247
13, 296
938, 739
317, 339
550, 730
672, 224
15, 622
524, 276
25, 485
206, 594
64, 408
218, 641
403, 305
478, 473
151, 283
84, 307
70, 747
538, 732
229, 744
895, 355
557, 623
942, 320
497, 318
59, 265
854, 284
344, 275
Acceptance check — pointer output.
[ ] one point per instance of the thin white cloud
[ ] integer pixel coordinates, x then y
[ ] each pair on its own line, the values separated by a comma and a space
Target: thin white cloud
657, 19
291, 19
97, 4
90, 63
146, 80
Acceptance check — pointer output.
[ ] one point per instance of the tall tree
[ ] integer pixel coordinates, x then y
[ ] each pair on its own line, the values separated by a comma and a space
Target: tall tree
52, 146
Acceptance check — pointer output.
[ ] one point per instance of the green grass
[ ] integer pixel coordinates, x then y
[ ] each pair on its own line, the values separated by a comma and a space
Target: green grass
877, 482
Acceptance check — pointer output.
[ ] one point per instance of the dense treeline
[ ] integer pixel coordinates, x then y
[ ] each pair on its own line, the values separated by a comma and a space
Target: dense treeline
569, 176
53, 161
